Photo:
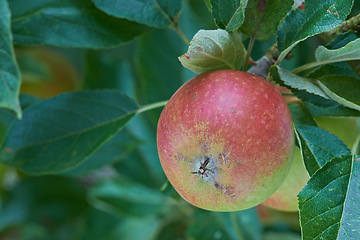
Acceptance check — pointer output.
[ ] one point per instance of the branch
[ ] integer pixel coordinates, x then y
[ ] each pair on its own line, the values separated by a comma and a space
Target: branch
353, 24
261, 66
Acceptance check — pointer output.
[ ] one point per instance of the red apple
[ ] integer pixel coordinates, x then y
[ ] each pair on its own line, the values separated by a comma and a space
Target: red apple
225, 140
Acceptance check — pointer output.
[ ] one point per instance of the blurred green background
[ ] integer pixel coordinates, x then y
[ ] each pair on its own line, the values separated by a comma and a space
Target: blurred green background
121, 192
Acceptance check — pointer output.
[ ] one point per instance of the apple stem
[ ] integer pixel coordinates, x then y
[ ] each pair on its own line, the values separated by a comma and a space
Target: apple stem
151, 106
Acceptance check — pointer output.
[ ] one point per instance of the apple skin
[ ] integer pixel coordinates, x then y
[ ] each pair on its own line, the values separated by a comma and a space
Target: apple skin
285, 198
58, 74
225, 140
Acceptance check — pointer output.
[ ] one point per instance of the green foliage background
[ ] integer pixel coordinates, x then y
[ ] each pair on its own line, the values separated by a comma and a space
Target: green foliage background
84, 165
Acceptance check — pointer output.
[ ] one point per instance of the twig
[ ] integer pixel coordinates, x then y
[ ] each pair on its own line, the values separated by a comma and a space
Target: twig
353, 24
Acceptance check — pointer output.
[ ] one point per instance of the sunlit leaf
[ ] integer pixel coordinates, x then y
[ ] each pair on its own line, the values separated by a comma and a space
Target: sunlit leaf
350, 51
213, 50
287, 78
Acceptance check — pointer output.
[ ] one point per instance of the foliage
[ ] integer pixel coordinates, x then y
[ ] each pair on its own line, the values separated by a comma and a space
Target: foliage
84, 164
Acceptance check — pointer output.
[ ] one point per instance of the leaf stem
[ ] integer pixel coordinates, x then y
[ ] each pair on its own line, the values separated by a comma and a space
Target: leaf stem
312, 65
249, 49
151, 106
182, 35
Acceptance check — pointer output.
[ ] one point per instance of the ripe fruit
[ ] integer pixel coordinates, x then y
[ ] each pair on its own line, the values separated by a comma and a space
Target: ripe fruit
45, 73
285, 198
225, 140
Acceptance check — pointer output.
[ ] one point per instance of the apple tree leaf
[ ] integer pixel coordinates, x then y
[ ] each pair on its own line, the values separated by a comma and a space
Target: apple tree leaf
126, 198
350, 51
289, 79
319, 106
75, 125
333, 87
300, 115
228, 14
328, 204
9, 71
322, 107
342, 39
69, 23
263, 17
317, 145
343, 89
208, 225
155, 13
118, 148
214, 50
317, 17
58, 199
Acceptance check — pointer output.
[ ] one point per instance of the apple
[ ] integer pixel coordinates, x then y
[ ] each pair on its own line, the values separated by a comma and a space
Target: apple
45, 73
285, 198
225, 140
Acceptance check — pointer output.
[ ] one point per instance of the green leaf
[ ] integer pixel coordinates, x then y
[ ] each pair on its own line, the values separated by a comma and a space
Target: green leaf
51, 201
281, 236
289, 79
117, 148
322, 107
155, 65
342, 39
214, 50
350, 51
328, 204
155, 13
228, 14
110, 69
103, 225
317, 17
332, 69
60, 133
236, 225
263, 17
318, 146
319, 106
9, 71
6, 120
126, 198
300, 116
69, 24
343, 89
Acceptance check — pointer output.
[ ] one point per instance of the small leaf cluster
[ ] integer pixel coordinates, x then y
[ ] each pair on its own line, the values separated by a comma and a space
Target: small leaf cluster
84, 164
